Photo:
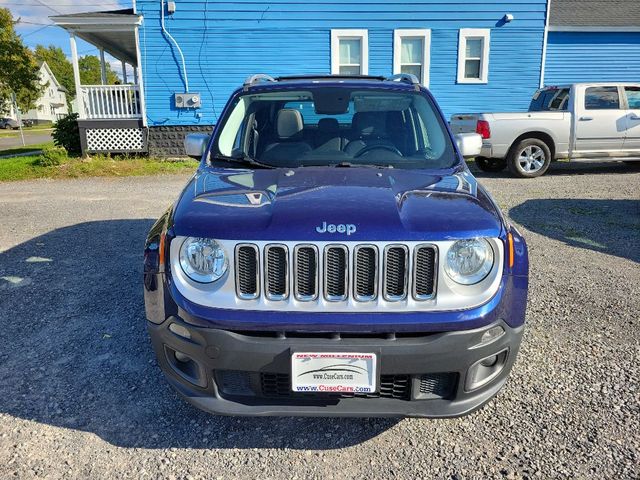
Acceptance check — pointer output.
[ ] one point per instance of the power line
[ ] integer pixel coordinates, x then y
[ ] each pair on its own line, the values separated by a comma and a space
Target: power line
37, 30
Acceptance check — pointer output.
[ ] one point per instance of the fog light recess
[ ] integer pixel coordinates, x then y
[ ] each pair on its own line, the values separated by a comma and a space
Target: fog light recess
485, 370
180, 330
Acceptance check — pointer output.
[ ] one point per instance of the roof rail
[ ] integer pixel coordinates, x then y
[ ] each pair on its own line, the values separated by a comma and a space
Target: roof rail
405, 77
258, 77
330, 77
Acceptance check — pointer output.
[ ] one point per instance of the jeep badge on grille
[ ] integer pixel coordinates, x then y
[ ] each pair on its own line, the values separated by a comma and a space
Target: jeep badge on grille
348, 228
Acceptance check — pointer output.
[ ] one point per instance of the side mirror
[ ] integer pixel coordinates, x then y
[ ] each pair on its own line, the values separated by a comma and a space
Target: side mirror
195, 143
469, 144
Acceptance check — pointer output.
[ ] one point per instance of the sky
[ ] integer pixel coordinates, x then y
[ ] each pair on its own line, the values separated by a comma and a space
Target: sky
35, 27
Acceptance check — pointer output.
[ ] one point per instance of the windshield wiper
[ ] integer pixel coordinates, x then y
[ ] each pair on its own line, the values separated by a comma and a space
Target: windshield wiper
356, 165
241, 159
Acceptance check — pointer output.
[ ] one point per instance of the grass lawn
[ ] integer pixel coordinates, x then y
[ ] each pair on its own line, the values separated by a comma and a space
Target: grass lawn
25, 168
28, 148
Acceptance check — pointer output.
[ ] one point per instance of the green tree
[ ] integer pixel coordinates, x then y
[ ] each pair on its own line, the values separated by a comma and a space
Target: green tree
59, 65
89, 66
19, 71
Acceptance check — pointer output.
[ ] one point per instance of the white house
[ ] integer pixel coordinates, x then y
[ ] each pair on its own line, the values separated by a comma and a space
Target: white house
52, 104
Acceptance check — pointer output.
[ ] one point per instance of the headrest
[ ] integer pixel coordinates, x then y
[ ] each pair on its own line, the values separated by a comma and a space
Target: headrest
369, 123
289, 123
328, 125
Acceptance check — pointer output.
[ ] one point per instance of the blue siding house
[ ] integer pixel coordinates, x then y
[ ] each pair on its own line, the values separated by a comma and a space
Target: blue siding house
593, 41
189, 55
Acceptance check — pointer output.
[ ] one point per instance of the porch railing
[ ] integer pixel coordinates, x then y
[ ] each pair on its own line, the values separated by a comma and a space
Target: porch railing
111, 101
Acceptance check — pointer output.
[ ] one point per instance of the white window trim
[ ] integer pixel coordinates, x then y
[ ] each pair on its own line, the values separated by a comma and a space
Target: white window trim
465, 33
425, 35
363, 36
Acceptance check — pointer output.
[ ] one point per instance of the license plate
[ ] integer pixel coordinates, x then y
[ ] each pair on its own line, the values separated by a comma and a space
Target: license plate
330, 372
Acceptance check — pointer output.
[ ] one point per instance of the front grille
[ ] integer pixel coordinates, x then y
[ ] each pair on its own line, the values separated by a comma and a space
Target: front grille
391, 386
428, 386
306, 272
424, 272
437, 385
276, 272
336, 266
366, 273
337, 271
395, 272
247, 279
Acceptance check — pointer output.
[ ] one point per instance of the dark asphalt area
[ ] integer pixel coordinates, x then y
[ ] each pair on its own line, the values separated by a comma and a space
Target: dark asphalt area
31, 137
81, 395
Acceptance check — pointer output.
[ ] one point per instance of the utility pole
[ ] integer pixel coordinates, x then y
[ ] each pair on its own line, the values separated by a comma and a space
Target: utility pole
18, 115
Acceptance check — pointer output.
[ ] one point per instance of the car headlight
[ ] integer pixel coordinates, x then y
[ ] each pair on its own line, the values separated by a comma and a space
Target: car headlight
469, 261
203, 259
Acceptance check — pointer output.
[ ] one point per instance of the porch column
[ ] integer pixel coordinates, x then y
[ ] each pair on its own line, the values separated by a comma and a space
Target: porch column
76, 76
103, 68
135, 75
124, 72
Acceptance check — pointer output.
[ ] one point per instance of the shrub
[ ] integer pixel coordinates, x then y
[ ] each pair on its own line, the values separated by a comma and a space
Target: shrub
52, 156
67, 135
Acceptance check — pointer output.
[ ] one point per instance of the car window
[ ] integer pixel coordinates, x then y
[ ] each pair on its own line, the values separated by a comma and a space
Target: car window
550, 99
633, 97
329, 126
602, 98
310, 117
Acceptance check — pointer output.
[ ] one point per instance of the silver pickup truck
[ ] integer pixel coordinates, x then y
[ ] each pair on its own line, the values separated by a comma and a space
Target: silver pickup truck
583, 121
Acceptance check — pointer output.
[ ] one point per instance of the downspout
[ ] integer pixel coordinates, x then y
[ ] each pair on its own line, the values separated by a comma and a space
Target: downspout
544, 43
184, 67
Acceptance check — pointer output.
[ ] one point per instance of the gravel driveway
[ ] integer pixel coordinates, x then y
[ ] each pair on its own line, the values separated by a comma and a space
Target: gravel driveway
82, 396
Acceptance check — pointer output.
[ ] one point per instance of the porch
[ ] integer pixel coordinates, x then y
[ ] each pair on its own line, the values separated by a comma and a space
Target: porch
111, 118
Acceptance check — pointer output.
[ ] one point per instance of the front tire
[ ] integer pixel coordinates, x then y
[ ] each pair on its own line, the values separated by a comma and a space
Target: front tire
530, 158
491, 164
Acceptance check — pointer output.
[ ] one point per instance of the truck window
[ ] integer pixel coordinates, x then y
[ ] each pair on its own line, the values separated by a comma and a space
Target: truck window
602, 98
633, 97
550, 99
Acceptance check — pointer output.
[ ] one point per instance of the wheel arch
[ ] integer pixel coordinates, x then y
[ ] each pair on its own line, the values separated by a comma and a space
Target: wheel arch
542, 136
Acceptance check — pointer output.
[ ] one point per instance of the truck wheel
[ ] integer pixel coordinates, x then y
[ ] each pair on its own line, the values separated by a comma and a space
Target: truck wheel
491, 164
529, 158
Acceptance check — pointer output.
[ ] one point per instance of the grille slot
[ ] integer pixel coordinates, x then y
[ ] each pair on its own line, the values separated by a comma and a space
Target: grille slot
365, 273
424, 272
395, 272
276, 272
391, 386
247, 272
306, 272
437, 385
335, 273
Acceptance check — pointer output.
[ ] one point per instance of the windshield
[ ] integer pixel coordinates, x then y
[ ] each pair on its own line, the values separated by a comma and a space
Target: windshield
335, 126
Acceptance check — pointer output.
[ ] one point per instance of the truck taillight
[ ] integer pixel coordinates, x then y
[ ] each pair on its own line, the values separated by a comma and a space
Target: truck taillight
482, 127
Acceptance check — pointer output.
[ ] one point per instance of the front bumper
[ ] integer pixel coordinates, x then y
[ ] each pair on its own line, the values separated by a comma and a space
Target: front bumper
247, 372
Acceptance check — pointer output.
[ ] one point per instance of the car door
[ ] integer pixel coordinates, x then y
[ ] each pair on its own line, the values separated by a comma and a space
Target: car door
632, 114
600, 122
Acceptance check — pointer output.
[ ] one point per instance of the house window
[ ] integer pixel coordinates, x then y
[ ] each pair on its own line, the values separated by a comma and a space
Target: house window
349, 52
473, 55
411, 53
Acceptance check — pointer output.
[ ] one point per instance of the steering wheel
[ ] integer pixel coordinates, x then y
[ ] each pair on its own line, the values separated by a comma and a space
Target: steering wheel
381, 146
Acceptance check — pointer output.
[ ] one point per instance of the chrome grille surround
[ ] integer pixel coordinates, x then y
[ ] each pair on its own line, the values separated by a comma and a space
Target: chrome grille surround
276, 271
305, 272
418, 290
447, 295
244, 276
396, 272
365, 273
336, 289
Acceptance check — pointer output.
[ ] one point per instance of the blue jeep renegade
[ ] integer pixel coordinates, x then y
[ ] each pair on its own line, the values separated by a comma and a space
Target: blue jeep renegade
333, 255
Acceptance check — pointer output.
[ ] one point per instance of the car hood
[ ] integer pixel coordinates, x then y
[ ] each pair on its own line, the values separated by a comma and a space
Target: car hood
364, 204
